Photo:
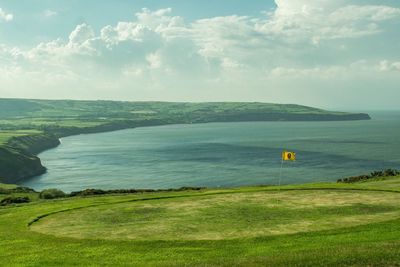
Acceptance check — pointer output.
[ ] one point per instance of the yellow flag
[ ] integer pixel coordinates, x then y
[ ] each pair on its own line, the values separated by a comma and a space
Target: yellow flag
286, 155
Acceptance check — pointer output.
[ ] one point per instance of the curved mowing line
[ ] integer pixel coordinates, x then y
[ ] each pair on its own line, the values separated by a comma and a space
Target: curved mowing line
38, 218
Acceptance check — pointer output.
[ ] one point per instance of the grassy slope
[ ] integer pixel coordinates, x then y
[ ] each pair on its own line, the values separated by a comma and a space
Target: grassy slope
33, 196
7, 135
47, 114
44, 109
376, 243
7, 186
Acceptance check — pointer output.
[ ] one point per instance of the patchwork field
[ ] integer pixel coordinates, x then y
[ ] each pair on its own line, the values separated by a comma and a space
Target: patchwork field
6, 135
313, 224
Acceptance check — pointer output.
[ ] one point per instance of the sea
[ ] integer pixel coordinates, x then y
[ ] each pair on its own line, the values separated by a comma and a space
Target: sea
222, 154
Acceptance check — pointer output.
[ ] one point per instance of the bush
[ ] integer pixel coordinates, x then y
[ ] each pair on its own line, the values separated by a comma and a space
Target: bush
391, 172
21, 189
18, 189
4, 191
88, 192
375, 174
92, 192
51, 194
14, 200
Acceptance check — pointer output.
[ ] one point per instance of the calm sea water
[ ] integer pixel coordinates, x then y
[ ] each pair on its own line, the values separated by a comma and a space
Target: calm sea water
222, 154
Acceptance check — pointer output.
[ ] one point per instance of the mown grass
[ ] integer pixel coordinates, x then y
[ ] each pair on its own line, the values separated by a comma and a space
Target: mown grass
6, 135
225, 216
367, 242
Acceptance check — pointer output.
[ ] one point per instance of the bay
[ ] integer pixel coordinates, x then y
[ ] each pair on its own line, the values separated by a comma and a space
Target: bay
222, 154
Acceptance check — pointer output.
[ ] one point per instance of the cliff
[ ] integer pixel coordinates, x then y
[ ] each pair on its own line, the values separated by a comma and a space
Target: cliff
16, 165
34, 144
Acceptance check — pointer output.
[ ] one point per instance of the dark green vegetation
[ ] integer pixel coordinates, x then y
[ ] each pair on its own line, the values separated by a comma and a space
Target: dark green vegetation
329, 224
56, 193
51, 194
28, 127
373, 175
14, 200
13, 192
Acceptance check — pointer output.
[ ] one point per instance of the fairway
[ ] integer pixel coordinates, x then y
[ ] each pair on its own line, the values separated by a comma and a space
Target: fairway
322, 224
224, 216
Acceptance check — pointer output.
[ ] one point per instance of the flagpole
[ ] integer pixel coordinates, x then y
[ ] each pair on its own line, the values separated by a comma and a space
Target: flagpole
280, 174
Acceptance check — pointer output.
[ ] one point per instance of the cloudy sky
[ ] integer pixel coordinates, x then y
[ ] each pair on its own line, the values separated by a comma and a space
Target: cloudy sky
340, 54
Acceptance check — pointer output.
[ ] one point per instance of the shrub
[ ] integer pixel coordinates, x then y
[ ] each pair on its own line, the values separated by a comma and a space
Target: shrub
375, 174
21, 189
14, 200
18, 189
88, 192
51, 194
92, 192
390, 172
4, 191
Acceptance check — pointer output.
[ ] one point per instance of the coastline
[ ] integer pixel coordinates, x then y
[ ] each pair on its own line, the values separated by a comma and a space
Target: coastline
22, 152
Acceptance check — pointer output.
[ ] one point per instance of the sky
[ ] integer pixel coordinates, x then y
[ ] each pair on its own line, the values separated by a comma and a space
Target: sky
337, 54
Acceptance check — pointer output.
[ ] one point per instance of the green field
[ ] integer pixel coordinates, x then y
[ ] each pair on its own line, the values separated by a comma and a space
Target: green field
55, 115
6, 135
312, 224
6, 186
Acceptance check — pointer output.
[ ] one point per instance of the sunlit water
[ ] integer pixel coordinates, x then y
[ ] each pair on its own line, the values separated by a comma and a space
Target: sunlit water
222, 154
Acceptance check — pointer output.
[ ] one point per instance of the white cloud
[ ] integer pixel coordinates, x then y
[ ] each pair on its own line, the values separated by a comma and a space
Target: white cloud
302, 40
317, 20
323, 72
158, 20
81, 34
154, 60
6, 16
386, 65
48, 13
320, 72
368, 13
223, 42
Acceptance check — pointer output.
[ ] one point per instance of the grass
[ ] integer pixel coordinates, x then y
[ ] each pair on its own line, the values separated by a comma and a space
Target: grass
33, 196
6, 135
317, 224
227, 216
7, 186
46, 114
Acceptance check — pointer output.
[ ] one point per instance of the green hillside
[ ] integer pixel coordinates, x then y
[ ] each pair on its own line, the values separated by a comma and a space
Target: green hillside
103, 110
329, 224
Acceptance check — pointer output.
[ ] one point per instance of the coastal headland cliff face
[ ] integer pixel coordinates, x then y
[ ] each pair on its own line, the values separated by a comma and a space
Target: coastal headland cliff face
17, 164
29, 127
18, 158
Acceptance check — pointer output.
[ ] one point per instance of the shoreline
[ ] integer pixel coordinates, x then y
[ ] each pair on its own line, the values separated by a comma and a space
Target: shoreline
28, 165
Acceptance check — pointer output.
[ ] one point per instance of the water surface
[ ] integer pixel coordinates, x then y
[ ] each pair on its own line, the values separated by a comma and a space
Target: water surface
222, 154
